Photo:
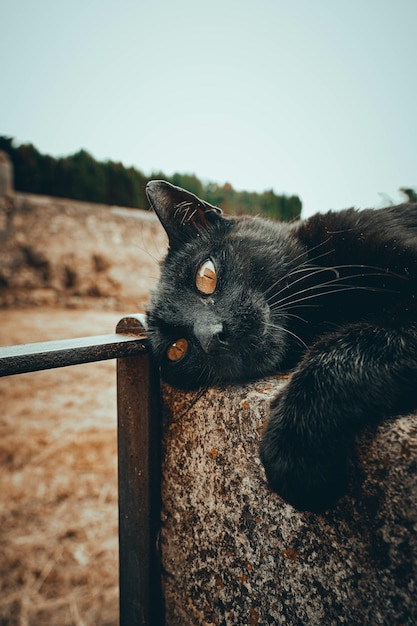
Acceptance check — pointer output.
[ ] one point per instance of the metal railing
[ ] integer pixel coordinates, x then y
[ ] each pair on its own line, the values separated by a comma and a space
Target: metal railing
138, 437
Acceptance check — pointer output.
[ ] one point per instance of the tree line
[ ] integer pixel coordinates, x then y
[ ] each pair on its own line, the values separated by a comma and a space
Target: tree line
80, 176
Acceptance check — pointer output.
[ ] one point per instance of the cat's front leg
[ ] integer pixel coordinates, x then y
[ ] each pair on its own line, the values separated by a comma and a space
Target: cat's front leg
305, 461
346, 381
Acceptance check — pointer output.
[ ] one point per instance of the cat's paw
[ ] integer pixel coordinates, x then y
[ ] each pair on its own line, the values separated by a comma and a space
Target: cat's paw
305, 463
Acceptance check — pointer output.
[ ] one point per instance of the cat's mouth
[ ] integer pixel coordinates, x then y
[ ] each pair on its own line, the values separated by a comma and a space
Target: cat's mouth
212, 351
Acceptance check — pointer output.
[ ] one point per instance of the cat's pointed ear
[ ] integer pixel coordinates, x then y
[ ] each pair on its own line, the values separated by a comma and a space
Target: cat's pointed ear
180, 212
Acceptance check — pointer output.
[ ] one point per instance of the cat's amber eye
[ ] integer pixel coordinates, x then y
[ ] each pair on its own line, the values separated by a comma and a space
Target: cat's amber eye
177, 350
206, 278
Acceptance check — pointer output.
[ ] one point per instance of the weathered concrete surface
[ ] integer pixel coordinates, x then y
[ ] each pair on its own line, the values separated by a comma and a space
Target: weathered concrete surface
60, 252
233, 553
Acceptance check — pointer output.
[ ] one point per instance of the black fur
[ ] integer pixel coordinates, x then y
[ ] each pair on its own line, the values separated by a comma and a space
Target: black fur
332, 297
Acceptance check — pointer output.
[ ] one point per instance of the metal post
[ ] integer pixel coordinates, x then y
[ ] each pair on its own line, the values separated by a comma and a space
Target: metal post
139, 486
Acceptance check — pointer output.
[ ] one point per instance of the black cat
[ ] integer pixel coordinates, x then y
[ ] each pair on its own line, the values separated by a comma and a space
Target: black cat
333, 297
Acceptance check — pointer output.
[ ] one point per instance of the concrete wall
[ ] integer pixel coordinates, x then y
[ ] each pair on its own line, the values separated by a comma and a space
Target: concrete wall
59, 252
234, 553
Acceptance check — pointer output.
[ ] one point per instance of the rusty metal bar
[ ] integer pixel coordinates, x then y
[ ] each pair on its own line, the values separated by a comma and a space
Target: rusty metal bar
33, 357
139, 486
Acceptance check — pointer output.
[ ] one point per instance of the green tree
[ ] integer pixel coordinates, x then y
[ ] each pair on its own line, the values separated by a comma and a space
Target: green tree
81, 177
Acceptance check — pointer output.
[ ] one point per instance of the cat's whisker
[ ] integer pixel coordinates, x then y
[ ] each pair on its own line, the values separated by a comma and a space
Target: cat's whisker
300, 306
377, 270
335, 268
305, 265
283, 307
337, 281
300, 267
286, 330
298, 317
314, 272
319, 245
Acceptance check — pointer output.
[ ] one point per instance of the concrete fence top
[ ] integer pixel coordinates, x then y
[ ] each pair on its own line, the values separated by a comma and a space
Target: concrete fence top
233, 553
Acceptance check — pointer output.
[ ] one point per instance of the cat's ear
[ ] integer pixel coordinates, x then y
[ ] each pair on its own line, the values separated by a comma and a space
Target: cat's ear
180, 212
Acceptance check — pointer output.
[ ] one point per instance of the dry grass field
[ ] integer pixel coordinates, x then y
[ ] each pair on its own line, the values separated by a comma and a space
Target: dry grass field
58, 489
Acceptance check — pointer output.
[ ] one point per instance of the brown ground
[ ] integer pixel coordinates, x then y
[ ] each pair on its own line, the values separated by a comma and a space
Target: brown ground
58, 490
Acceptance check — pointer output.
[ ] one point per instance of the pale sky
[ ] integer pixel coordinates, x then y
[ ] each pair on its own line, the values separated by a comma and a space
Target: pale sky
310, 97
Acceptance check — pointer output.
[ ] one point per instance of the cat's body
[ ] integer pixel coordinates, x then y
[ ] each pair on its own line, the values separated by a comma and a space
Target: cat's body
334, 297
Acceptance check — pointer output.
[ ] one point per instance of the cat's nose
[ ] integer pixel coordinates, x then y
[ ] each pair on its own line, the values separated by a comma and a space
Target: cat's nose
209, 335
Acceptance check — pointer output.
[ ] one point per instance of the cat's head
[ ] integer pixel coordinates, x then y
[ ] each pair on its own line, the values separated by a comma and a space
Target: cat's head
209, 319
